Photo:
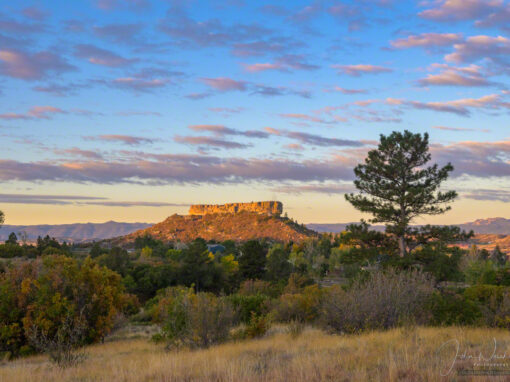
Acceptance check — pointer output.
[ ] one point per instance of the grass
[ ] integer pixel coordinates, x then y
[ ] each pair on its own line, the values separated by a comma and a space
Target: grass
409, 354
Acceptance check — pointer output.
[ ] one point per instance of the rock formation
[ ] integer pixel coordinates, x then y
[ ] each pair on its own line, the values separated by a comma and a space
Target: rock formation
271, 208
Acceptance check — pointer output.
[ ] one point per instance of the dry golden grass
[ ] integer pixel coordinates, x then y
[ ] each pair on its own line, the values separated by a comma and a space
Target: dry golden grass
396, 355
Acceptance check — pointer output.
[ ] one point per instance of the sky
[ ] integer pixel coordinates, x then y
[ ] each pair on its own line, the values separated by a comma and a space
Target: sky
131, 110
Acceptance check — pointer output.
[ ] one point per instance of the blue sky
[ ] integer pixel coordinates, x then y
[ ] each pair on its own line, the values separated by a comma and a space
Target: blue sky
133, 109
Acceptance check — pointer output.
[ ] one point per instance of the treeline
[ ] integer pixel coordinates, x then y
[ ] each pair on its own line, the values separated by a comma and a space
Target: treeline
44, 246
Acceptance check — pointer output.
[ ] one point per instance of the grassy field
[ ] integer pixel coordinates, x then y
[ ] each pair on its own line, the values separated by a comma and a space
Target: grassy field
409, 354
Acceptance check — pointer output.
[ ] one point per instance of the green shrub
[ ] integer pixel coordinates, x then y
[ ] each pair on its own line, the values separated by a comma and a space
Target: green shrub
450, 308
256, 327
494, 303
246, 306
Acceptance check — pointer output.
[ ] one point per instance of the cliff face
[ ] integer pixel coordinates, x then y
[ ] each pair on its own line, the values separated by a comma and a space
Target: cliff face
271, 208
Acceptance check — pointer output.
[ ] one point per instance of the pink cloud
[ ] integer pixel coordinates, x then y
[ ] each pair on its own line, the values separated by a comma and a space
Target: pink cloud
35, 112
209, 141
467, 76
456, 10
126, 139
479, 47
360, 69
31, 66
224, 84
427, 40
103, 57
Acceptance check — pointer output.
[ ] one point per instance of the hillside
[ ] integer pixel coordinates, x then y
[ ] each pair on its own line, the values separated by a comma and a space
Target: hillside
78, 232
239, 227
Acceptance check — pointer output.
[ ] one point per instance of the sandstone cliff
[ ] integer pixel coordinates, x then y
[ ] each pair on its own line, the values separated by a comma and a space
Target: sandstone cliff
264, 208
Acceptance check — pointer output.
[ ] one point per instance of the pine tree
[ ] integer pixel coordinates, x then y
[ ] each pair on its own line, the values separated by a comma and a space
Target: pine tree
396, 186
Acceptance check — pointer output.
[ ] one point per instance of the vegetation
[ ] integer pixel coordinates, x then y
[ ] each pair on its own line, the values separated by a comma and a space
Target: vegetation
57, 297
406, 354
395, 187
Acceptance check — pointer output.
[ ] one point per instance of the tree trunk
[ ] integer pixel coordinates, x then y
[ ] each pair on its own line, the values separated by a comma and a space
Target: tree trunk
402, 246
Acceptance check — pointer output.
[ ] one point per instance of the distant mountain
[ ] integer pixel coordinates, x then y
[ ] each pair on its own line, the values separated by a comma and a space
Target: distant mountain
497, 226
336, 227
78, 232
239, 226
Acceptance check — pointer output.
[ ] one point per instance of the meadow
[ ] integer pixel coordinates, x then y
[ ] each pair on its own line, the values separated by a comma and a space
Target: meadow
403, 354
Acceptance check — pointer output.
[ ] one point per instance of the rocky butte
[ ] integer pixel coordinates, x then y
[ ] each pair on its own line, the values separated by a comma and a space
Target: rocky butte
270, 208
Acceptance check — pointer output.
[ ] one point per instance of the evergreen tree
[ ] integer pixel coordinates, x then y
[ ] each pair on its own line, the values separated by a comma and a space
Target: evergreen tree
396, 186
252, 260
13, 239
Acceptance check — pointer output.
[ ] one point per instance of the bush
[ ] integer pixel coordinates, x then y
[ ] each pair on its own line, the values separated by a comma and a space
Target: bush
303, 307
384, 300
195, 320
42, 294
494, 303
256, 327
450, 308
247, 306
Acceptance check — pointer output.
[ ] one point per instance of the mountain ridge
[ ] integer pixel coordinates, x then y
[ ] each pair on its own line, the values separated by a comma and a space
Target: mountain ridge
82, 232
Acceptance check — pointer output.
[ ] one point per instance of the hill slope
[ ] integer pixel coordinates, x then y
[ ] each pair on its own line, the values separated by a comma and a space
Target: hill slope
239, 227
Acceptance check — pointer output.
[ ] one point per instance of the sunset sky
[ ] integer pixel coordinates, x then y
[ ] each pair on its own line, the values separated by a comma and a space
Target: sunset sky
130, 110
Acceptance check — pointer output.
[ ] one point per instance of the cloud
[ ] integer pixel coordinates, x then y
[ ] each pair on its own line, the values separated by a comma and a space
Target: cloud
451, 76
310, 118
76, 152
227, 110
35, 13
463, 106
427, 40
8, 25
315, 140
103, 57
475, 48
57, 89
459, 129
80, 200
146, 168
197, 96
360, 69
487, 194
44, 199
330, 189
479, 159
224, 84
120, 33
458, 10
294, 147
126, 139
32, 66
35, 112
135, 204
348, 91
351, 14
221, 130
109, 5
210, 142
132, 113
284, 64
